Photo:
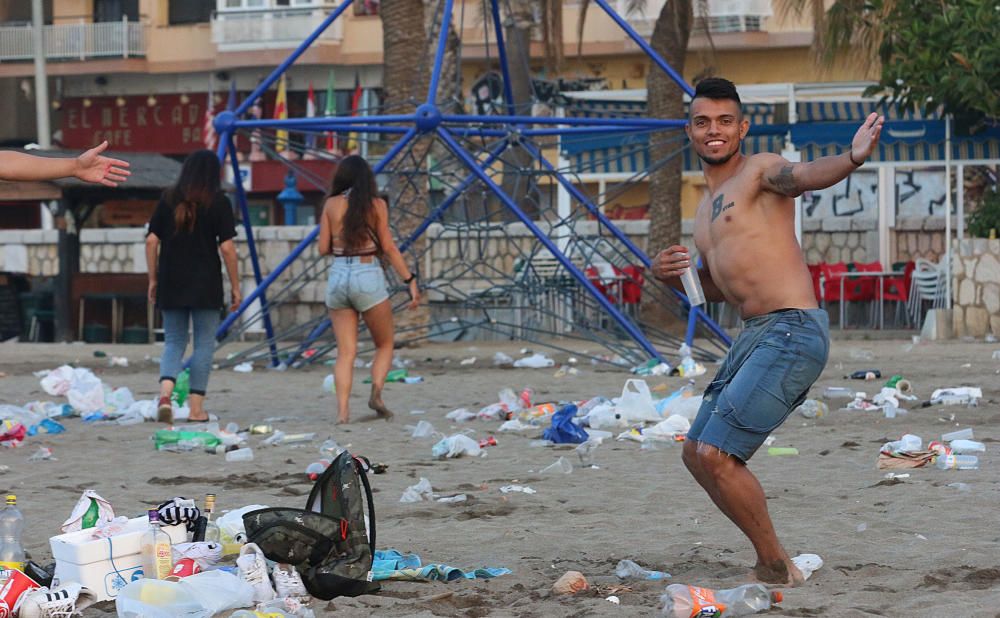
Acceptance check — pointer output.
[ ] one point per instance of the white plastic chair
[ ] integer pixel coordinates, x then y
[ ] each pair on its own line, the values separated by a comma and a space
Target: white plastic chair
927, 285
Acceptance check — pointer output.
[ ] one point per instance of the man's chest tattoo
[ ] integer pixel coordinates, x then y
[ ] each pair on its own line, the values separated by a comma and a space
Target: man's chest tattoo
718, 207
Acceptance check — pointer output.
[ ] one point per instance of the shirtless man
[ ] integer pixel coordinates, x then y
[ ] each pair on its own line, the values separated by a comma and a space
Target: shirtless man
91, 166
745, 233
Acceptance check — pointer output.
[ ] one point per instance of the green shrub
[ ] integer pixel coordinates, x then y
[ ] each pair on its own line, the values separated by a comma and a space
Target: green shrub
986, 217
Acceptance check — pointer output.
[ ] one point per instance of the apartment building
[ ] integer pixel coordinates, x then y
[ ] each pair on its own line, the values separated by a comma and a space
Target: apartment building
141, 73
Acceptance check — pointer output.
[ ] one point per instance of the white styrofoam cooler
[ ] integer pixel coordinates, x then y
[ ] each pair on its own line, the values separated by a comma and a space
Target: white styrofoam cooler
104, 566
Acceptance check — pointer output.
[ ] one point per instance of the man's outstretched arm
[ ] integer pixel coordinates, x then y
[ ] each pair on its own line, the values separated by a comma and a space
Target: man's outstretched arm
91, 166
792, 179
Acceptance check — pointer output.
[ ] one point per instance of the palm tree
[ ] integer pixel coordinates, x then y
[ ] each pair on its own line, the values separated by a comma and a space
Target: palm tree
846, 29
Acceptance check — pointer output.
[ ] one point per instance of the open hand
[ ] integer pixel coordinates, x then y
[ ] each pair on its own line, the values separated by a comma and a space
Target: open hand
866, 139
671, 262
92, 167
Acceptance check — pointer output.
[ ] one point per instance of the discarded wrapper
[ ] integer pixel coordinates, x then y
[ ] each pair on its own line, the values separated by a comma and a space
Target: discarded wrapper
570, 583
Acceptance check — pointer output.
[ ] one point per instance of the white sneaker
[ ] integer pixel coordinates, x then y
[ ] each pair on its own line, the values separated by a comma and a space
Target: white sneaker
61, 602
253, 570
288, 582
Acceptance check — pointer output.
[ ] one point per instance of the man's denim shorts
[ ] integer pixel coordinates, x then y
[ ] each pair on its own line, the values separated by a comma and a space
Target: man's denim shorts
352, 284
766, 375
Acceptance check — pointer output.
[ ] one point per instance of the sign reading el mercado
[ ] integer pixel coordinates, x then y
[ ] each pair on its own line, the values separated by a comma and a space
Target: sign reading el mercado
169, 126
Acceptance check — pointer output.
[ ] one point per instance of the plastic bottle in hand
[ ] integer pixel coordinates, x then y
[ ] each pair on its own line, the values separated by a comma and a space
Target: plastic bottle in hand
683, 601
11, 525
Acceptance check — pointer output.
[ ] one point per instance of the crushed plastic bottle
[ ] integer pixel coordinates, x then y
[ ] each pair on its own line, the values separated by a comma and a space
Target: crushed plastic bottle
812, 408
182, 387
627, 569
683, 601
838, 392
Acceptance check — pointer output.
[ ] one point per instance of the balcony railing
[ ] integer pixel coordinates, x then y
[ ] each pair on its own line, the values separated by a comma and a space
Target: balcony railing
82, 41
723, 16
270, 28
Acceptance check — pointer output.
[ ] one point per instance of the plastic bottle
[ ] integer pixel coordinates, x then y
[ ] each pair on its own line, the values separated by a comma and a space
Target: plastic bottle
811, 408
627, 569
690, 601
863, 374
11, 525
692, 283
950, 461
157, 559
240, 454
91, 516
962, 447
182, 387
961, 434
838, 392
212, 534
184, 440
317, 468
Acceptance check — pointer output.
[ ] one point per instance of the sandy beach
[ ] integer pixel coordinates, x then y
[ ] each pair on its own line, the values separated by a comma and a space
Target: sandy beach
910, 547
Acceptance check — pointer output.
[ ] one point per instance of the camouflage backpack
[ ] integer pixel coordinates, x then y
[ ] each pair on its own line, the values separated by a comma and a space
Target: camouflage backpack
330, 543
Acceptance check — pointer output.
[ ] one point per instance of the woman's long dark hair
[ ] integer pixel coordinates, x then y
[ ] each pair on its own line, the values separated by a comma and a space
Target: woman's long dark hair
355, 175
198, 183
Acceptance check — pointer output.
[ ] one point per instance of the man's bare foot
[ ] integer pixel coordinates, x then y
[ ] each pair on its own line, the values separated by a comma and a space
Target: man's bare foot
343, 420
780, 572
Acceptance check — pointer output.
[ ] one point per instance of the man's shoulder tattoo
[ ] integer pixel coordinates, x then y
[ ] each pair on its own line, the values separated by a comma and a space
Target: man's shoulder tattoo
784, 181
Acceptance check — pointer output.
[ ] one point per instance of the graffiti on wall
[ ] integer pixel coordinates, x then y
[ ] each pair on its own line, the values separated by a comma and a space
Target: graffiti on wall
919, 193
855, 196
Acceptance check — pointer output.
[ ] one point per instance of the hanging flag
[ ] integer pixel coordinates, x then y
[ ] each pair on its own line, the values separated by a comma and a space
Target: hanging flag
281, 113
209, 139
331, 110
352, 138
310, 113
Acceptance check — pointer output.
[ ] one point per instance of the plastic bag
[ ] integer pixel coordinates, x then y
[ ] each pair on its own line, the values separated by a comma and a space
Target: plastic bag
683, 406
120, 400
419, 492
197, 596
603, 416
636, 403
231, 529
460, 415
105, 512
86, 392
535, 361
563, 430
456, 446
57, 381
422, 429
675, 425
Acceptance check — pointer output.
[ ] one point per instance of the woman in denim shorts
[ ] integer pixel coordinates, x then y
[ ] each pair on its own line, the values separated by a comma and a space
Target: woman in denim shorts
354, 229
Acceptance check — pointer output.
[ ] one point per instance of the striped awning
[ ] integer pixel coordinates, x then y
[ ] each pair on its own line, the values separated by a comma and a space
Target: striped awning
823, 128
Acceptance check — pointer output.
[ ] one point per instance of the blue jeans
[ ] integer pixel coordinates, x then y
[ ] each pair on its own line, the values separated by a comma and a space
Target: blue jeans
765, 376
204, 323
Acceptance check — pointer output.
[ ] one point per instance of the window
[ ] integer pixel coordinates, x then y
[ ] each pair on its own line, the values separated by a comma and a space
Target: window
245, 4
366, 7
114, 10
189, 12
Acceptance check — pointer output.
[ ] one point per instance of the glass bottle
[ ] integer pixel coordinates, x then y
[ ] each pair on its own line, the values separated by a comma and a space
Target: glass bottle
212, 534
157, 557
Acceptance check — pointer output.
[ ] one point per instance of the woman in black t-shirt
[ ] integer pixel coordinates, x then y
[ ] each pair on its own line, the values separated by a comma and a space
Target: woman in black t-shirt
192, 224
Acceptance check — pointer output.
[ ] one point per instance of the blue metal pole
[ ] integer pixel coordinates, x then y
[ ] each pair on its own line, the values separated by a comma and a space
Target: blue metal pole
439, 56
653, 123
630, 328
299, 248
641, 42
443, 206
694, 312
618, 234
321, 122
287, 62
584, 131
508, 93
241, 197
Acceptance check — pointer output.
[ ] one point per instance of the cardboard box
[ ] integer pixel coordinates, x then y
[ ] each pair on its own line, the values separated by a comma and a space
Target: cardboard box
104, 566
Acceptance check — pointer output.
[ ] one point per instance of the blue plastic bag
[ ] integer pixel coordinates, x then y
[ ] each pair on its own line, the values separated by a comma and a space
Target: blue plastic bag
563, 429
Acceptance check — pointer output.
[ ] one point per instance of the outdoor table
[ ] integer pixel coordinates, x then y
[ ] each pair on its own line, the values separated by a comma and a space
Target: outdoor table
880, 275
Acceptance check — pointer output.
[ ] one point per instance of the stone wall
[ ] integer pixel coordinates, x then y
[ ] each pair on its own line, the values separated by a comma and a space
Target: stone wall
976, 289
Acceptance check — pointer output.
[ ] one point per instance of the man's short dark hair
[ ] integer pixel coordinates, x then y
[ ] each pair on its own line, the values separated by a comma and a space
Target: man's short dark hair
717, 88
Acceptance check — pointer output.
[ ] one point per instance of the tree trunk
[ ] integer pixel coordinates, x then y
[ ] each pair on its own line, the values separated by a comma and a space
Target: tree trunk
406, 77
665, 99
517, 37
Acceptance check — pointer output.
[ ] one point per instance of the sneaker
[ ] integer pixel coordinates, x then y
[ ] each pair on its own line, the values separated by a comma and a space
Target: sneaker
288, 582
253, 570
164, 411
61, 602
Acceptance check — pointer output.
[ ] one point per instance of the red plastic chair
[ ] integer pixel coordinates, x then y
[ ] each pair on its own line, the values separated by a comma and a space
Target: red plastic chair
632, 284
831, 275
863, 288
816, 272
595, 278
897, 290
